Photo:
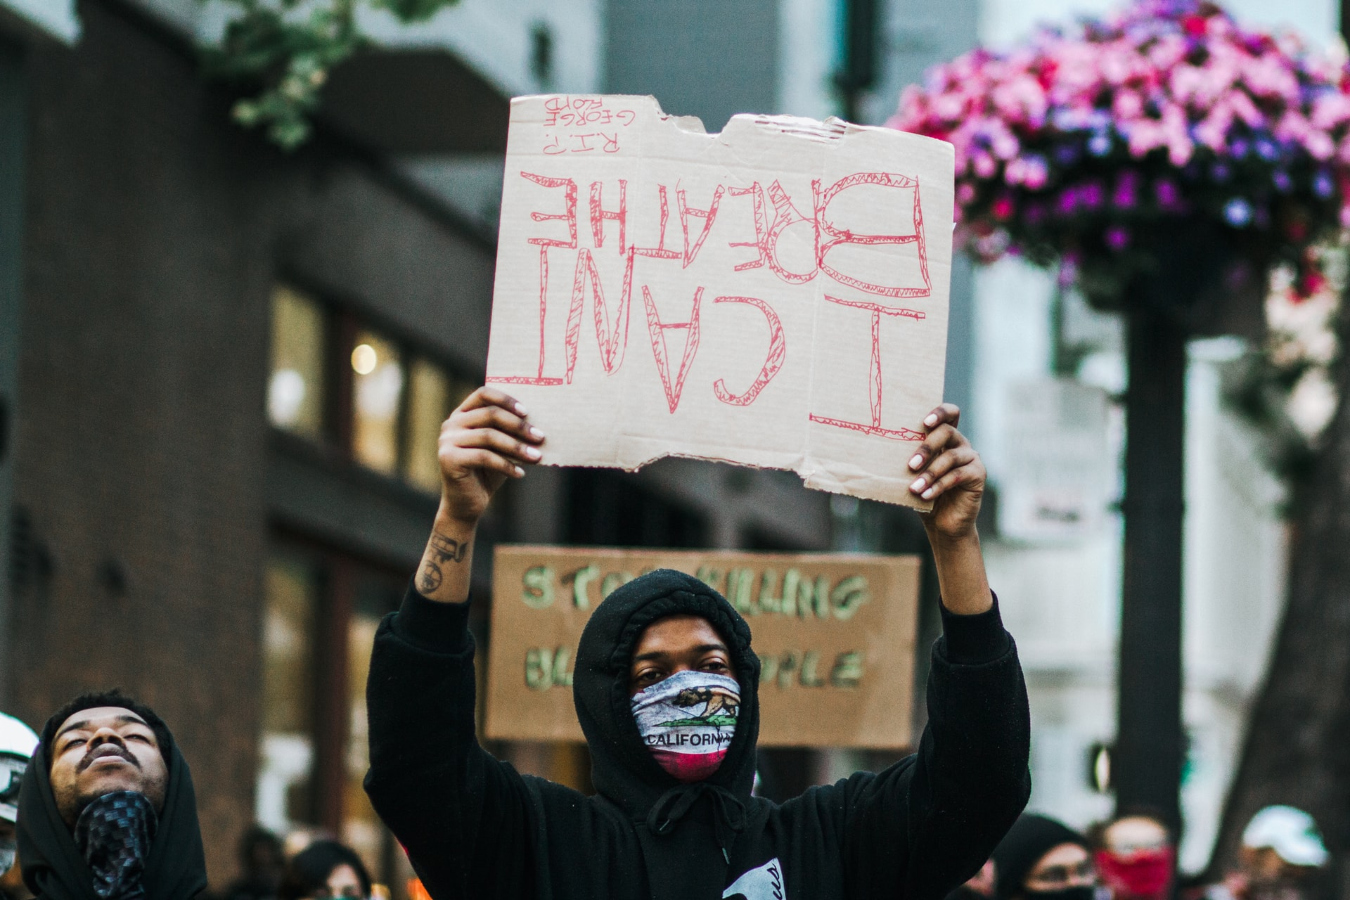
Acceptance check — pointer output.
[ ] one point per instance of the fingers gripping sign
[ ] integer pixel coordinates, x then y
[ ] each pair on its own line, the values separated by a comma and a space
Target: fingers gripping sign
484, 442
950, 473
487, 440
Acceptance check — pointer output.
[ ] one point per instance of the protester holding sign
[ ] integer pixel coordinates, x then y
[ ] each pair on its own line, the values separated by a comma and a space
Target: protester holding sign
666, 690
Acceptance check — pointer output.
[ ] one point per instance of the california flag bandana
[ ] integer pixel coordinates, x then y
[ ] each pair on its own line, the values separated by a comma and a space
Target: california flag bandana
687, 721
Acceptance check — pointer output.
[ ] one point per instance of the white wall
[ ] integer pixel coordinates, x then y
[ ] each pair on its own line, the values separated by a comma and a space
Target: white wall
806, 47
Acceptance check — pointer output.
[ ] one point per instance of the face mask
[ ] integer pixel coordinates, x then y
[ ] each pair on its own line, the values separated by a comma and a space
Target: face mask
1085, 892
687, 722
115, 833
1142, 874
9, 851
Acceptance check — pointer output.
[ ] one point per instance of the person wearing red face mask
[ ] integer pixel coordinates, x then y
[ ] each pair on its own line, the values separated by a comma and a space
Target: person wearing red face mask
1136, 858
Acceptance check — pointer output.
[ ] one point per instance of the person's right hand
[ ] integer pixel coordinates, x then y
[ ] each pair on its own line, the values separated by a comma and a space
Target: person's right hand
484, 442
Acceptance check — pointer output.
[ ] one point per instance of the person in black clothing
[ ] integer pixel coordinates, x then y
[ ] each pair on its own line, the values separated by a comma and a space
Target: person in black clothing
671, 829
1043, 859
261, 861
325, 870
107, 810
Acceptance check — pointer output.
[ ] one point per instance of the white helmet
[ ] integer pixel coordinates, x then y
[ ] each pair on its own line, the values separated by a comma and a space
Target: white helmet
17, 743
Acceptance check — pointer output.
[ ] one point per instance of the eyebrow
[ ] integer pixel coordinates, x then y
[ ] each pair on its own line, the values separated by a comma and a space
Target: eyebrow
124, 719
661, 654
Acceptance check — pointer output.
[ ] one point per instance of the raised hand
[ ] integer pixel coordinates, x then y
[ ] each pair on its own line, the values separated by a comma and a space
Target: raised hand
950, 474
483, 443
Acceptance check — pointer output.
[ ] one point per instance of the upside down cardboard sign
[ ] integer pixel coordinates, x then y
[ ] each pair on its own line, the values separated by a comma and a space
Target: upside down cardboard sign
774, 295
834, 634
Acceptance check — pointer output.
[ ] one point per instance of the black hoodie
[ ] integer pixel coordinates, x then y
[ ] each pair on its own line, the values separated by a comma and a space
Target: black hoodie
55, 869
475, 828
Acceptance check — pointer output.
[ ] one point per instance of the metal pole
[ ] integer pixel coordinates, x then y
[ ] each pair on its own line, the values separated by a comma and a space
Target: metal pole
1149, 739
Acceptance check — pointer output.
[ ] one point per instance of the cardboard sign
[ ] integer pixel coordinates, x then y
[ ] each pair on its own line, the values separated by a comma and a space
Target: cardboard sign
834, 633
774, 295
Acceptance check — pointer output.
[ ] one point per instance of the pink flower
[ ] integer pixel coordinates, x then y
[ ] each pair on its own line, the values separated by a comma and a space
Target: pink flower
1330, 110
1128, 105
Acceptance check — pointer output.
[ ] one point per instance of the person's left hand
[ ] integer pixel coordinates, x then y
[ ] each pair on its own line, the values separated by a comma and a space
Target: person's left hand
950, 474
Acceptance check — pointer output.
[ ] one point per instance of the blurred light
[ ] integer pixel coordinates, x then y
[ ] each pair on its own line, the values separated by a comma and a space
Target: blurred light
285, 396
364, 359
1099, 768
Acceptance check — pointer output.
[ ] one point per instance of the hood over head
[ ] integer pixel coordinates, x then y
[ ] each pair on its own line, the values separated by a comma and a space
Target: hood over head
1031, 837
53, 865
685, 828
623, 769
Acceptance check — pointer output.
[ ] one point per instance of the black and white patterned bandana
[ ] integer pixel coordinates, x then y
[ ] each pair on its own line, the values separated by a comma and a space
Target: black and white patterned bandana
115, 833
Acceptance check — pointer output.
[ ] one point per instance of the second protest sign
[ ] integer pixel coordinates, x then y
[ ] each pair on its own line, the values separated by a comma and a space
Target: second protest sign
834, 634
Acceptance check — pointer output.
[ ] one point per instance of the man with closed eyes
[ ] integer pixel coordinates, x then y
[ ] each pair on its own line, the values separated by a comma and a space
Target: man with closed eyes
107, 810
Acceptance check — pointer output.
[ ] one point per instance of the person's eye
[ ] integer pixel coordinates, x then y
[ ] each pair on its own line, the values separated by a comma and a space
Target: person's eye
138, 737
715, 665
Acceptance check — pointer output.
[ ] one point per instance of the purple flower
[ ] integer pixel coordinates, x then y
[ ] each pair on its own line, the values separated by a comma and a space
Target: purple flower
1068, 270
1067, 154
1220, 172
1267, 149
1067, 202
1091, 195
1283, 183
1099, 144
1238, 147
1166, 192
1322, 184
1237, 212
1117, 237
1127, 189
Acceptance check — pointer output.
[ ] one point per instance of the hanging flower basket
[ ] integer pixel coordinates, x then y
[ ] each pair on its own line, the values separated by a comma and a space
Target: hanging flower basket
1164, 141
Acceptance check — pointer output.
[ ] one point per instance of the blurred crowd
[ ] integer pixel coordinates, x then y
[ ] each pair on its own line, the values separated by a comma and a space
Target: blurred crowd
1130, 857
1133, 857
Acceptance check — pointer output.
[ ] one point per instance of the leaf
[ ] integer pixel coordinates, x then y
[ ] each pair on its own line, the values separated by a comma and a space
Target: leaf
413, 10
274, 48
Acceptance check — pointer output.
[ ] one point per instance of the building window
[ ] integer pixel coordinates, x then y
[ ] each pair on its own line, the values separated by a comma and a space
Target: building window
290, 615
337, 380
377, 399
432, 396
295, 391
322, 608
375, 595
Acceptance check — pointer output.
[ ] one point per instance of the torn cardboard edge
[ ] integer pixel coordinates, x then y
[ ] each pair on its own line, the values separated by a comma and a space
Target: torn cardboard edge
789, 280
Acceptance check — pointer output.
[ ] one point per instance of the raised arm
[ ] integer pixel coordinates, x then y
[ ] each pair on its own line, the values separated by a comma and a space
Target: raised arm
928, 823
951, 474
483, 443
464, 818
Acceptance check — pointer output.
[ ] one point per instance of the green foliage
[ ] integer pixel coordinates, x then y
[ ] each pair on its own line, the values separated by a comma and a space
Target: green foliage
282, 51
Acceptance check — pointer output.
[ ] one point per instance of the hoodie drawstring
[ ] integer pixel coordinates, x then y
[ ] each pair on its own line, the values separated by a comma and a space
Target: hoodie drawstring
674, 805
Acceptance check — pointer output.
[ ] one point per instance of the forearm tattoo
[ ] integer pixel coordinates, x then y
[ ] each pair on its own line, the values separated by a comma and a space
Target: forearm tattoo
441, 550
